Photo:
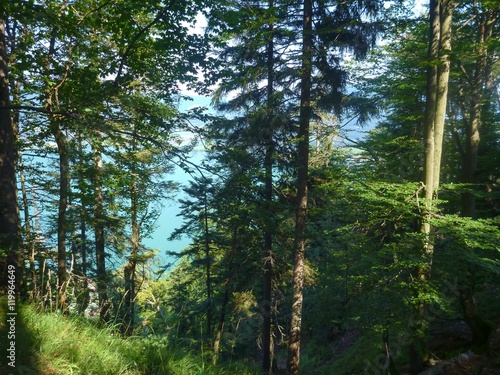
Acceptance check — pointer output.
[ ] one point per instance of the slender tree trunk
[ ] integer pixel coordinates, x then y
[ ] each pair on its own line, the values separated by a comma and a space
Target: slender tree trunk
236, 246
62, 149
437, 92
129, 297
84, 295
268, 196
83, 245
10, 232
480, 91
41, 263
30, 240
15, 93
302, 180
268, 270
208, 269
129, 271
99, 235
222, 319
85, 299
479, 82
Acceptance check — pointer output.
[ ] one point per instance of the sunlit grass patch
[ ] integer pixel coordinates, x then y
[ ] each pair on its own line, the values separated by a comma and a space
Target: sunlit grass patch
54, 344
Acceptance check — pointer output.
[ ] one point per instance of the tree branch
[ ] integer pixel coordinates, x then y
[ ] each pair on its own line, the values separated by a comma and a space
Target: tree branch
135, 39
36, 109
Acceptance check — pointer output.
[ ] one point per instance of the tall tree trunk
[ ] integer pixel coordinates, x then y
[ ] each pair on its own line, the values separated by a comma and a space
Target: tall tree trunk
15, 93
30, 240
268, 196
222, 319
479, 327
84, 295
208, 269
442, 87
302, 180
129, 270
437, 91
36, 230
62, 149
268, 268
99, 235
479, 83
430, 109
83, 236
129, 296
10, 232
236, 247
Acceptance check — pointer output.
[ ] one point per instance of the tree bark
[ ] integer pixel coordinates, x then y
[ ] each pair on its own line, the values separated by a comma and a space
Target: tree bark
440, 19
30, 239
472, 134
268, 196
10, 232
62, 149
302, 181
129, 270
430, 108
99, 235
208, 269
479, 91
268, 270
84, 296
222, 319
442, 87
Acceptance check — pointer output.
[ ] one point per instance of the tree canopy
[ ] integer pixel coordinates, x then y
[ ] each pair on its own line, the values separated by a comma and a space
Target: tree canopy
344, 218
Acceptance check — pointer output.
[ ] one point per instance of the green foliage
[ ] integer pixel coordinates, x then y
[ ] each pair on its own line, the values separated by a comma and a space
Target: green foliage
365, 247
111, 82
364, 355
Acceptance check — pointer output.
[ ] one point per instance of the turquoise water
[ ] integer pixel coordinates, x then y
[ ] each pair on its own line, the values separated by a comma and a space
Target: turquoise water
168, 221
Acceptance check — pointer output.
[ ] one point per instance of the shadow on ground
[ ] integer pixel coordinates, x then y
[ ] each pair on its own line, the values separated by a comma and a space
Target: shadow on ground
16, 343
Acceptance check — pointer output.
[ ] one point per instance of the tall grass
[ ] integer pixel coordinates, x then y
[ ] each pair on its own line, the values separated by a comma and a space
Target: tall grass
58, 345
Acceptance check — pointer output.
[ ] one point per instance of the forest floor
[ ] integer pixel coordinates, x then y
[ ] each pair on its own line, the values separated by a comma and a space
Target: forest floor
450, 346
455, 355
467, 362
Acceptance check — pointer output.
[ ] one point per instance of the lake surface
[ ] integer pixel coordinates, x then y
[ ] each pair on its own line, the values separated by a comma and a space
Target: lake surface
169, 220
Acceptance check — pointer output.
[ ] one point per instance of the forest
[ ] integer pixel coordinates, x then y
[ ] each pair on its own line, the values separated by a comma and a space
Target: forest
343, 217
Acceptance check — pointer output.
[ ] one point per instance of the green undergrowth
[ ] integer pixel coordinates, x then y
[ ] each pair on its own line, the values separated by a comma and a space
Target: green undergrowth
49, 343
362, 357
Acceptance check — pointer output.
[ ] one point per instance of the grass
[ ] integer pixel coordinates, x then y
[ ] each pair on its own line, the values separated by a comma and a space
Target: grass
52, 344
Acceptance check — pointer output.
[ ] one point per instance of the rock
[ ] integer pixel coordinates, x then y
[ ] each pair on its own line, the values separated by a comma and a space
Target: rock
464, 357
442, 367
494, 344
